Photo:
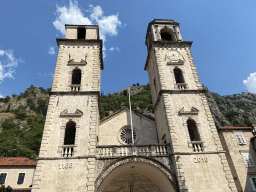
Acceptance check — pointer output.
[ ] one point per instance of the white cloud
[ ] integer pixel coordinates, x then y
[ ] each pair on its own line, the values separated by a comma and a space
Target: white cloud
116, 48
250, 83
51, 51
7, 64
1, 96
74, 15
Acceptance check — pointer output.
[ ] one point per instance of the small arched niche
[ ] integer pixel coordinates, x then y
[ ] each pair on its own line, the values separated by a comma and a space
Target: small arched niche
70, 133
193, 131
178, 75
76, 77
167, 34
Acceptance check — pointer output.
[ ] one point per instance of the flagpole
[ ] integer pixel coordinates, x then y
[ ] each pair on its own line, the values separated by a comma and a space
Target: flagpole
131, 115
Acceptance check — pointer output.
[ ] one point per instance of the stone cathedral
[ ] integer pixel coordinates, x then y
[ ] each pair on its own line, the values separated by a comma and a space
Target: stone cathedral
178, 151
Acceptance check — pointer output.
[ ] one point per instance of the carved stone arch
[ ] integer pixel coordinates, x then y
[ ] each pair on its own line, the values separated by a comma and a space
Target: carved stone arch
194, 117
169, 30
142, 159
70, 71
66, 120
182, 68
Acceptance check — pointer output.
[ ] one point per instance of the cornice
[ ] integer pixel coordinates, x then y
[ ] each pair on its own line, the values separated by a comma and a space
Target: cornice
166, 44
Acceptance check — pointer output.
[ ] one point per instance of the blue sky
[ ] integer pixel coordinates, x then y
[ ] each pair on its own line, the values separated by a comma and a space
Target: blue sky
223, 35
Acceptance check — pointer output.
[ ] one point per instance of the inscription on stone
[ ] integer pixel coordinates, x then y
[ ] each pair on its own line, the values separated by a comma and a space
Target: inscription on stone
65, 165
200, 159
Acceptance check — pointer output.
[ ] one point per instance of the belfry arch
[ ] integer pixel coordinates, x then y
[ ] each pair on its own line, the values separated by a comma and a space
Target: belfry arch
136, 174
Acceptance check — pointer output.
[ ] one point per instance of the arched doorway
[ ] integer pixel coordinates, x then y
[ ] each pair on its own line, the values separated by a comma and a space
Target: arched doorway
135, 176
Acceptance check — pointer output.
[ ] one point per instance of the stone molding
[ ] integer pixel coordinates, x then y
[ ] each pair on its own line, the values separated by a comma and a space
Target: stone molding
65, 113
193, 111
122, 161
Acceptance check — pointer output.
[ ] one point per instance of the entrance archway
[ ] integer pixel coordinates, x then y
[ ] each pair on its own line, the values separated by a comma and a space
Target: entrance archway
134, 175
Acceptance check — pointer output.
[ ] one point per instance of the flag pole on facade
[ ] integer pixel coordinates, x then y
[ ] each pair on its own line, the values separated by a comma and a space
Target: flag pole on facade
131, 114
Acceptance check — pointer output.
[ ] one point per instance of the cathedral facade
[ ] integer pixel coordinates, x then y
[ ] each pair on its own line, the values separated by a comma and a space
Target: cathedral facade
178, 151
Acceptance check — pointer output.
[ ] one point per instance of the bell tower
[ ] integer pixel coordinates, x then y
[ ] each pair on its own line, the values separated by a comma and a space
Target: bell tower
67, 155
182, 113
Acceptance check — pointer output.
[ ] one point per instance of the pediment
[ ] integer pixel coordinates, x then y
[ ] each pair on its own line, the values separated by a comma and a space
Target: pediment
193, 111
174, 58
77, 113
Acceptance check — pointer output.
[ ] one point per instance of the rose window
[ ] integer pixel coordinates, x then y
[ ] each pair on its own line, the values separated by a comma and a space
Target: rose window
126, 135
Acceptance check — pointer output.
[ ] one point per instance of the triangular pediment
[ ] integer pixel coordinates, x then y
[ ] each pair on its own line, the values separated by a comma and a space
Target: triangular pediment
192, 111
77, 113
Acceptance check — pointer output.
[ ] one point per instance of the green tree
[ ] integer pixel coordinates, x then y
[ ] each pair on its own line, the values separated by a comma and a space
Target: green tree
9, 124
7, 99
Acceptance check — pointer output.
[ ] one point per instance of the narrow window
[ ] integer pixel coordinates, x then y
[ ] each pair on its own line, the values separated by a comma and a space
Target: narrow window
240, 139
81, 33
76, 76
248, 159
178, 76
2, 178
70, 133
253, 183
192, 129
21, 178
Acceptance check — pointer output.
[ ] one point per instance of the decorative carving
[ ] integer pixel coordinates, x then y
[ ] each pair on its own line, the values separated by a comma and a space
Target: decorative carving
193, 111
65, 113
122, 161
82, 62
174, 57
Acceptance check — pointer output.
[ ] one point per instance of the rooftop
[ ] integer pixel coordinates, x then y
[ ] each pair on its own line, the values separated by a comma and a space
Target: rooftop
16, 161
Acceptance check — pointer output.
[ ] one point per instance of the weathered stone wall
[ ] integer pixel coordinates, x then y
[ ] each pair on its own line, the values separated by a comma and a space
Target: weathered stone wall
237, 164
90, 72
13, 174
109, 130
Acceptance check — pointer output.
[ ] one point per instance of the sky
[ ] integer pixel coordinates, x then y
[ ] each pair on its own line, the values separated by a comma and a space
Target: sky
223, 35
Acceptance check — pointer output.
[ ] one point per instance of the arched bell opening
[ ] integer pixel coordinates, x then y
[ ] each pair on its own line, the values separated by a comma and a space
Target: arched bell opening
167, 34
136, 177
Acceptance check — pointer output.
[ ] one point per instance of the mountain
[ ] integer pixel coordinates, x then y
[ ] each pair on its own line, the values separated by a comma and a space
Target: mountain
22, 117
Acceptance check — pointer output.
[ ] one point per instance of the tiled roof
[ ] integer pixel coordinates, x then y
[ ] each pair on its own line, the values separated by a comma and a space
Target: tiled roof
16, 161
235, 128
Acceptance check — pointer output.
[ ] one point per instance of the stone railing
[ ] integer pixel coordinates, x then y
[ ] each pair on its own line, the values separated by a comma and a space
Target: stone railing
75, 87
181, 86
132, 150
68, 150
197, 146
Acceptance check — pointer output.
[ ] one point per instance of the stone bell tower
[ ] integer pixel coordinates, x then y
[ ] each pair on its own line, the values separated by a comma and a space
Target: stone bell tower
182, 113
67, 155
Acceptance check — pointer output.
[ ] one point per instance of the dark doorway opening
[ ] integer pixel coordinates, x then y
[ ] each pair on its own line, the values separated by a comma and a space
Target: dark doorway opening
81, 33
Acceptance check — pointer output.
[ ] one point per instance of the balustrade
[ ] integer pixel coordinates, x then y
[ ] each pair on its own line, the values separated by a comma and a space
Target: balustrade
67, 151
129, 150
181, 86
75, 87
197, 146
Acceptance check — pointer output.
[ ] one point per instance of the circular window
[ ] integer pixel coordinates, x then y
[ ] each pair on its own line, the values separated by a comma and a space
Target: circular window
125, 135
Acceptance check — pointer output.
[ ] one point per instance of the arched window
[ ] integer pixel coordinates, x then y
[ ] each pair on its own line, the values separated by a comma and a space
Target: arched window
166, 34
81, 33
70, 133
76, 76
193, 131
178, 76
